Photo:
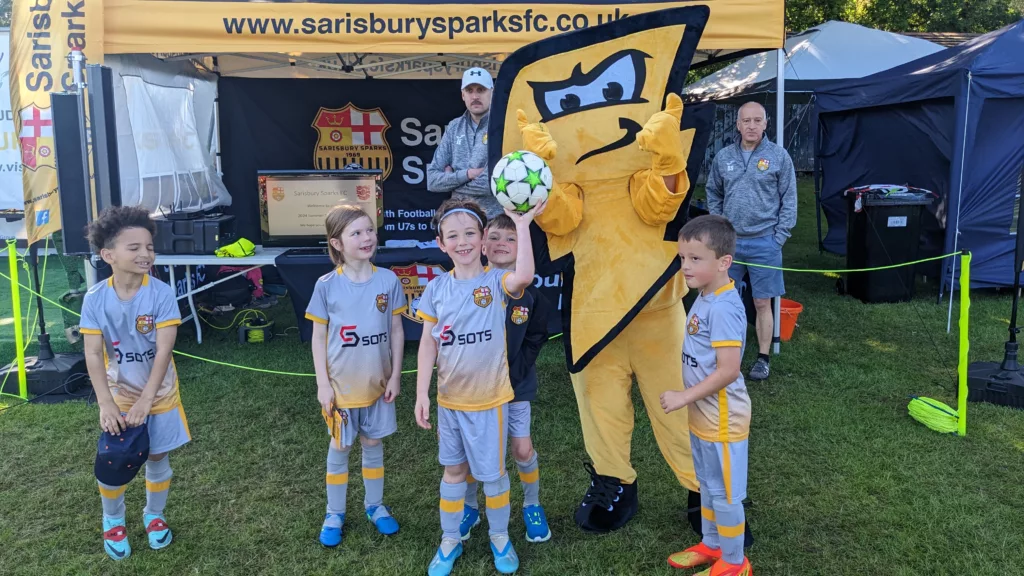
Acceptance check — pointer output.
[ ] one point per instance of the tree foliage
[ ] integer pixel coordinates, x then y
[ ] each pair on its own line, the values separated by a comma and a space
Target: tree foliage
5, 13
907, 15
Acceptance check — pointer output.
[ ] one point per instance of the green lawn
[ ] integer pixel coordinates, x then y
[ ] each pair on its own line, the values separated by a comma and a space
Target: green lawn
842, 480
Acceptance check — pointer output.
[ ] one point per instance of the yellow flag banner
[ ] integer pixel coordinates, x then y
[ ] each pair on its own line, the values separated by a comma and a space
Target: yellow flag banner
43, 33
134, 26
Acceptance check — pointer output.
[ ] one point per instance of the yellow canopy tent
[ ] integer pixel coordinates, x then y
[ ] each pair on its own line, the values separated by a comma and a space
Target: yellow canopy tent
306, 39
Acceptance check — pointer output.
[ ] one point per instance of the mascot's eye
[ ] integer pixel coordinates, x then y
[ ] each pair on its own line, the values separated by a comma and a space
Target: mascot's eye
613, 91
618, 79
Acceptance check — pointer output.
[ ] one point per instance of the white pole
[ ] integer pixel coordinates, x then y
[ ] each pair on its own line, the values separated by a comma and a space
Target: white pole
959, 195
780, 124
77, 59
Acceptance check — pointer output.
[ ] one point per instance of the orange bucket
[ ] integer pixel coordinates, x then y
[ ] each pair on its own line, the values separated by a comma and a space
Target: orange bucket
789, 311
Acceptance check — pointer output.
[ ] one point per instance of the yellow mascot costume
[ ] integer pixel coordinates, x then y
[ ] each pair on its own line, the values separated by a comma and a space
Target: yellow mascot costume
601, 106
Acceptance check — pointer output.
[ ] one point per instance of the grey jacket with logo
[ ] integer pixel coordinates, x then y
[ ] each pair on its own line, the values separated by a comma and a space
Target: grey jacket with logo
463, 146
757, 195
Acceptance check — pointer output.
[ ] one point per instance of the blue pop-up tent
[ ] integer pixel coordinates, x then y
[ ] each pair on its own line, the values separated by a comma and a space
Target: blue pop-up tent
951, 122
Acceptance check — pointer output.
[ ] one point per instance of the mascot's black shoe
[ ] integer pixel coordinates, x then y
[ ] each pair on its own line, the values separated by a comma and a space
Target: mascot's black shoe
693, 512
693, 517
608, 505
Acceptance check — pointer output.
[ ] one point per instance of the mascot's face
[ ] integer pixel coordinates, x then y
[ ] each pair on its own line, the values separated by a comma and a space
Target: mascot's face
595, 89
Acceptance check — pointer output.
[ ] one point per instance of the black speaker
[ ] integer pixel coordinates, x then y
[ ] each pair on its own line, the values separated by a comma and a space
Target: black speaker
72, 182
103, 128
200, 235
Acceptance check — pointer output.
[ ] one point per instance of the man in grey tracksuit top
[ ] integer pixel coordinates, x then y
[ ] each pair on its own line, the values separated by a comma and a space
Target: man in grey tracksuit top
753, 184
459, 165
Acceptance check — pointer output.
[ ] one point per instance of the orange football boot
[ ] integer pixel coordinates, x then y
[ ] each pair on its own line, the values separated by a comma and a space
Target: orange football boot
694, 556
723, 568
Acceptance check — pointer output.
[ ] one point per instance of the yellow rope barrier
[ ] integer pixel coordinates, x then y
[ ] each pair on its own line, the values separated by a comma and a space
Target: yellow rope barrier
963, 366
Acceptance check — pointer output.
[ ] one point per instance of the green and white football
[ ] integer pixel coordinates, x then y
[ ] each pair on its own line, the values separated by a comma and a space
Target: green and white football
520, 180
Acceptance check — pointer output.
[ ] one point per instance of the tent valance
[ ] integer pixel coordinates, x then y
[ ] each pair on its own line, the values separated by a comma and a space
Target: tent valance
410, 26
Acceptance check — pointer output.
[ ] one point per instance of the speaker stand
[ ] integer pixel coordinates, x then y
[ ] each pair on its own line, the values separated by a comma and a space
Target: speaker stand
46, 373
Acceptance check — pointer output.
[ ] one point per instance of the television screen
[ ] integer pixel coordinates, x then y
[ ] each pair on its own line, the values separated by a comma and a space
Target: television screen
294, 203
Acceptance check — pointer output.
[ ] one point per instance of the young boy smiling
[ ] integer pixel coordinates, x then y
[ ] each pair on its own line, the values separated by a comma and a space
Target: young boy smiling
130, 322
525, 333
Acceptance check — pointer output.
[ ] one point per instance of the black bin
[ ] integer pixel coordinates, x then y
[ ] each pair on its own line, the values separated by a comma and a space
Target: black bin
886, 231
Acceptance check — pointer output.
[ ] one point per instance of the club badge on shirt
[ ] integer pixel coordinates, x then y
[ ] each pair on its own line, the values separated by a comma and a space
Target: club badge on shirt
382, 302
693, 326
482, 296
763, 164
144, 324
520, 315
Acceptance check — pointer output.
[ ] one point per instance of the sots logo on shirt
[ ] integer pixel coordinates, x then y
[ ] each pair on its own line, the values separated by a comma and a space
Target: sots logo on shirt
131, 357
350, 338
450, 338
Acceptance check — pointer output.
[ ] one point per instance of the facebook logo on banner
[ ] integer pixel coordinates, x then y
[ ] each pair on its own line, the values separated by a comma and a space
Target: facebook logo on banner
42, 217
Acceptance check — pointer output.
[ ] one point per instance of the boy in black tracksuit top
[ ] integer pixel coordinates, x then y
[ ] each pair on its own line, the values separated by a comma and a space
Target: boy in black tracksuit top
525, 332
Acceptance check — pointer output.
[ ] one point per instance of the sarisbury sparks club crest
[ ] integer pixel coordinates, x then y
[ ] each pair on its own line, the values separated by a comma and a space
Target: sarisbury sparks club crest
414, 280
144, 324
520, 314
693, 326
352, 135
36, 137
382, 302
482, 296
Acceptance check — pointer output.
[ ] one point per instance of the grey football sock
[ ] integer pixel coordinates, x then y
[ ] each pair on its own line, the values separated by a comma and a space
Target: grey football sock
373, 475
529, 475
453, 500
158, 484
337, 480
497, 506
471, 492
113, 500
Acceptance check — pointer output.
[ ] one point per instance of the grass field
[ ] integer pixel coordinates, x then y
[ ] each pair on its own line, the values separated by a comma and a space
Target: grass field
843, 481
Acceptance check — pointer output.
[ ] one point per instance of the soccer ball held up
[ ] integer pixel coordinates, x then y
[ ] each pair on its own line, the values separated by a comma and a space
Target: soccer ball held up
521, 180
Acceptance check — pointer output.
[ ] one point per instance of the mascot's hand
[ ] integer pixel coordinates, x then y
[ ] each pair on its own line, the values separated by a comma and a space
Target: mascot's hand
662, 138
536, 137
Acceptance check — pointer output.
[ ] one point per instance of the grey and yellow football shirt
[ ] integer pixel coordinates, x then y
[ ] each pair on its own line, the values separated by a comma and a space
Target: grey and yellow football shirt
469, 317
716, 320
129, 338
358, 319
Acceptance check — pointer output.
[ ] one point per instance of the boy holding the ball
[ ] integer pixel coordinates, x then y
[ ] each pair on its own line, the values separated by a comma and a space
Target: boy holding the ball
525, 332
463, 315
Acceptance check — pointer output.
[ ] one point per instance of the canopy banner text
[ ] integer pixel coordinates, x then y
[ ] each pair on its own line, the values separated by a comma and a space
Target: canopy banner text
145, 26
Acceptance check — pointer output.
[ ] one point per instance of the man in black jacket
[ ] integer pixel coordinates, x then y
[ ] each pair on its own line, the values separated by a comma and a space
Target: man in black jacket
525, 332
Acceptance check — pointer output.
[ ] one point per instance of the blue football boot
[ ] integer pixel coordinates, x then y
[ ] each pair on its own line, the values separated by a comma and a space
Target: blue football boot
441, 564
380, 516
536, 521
330, 533
470, 518
157, 530
505, 561
115, 539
